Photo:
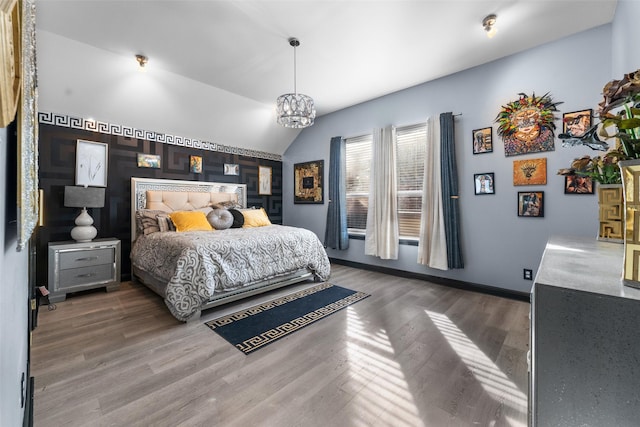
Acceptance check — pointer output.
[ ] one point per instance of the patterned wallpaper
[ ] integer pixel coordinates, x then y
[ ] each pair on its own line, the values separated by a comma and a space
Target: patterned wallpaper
119, 130
58, 136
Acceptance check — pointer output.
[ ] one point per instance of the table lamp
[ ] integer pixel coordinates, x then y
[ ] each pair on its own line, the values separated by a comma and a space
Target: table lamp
84, 197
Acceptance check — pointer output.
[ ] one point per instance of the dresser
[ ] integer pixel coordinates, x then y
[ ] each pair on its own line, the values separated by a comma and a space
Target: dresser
75, 266
585, 337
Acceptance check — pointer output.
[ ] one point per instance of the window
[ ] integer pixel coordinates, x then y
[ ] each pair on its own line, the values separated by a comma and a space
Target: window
358, 163
411, 147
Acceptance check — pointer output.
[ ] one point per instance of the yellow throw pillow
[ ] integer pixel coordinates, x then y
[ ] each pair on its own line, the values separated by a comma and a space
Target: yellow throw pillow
255, 218
190, 221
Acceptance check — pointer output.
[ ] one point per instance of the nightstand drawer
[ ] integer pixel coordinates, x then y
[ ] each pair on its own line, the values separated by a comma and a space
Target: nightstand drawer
85, 258
86, 275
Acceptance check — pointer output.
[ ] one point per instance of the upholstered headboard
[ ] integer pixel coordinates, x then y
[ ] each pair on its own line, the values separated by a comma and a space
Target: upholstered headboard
171, 195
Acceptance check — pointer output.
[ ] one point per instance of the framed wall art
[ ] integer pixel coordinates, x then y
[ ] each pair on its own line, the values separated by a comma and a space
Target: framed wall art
149, 161
91, 163
308, 181
530, 172
231, 169
526, 125
195, 164
484, 183
531, 203
264, 180
10, 61
576, 123
578, 184
27, 112
483, 140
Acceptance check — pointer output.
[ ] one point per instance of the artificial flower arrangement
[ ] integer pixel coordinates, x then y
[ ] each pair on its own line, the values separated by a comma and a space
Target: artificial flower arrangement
624, 126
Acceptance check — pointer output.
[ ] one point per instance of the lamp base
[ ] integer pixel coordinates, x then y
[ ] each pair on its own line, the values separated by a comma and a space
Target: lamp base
84, 231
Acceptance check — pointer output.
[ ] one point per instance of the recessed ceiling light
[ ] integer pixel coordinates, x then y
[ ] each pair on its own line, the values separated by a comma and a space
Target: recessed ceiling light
489, 24
142, 61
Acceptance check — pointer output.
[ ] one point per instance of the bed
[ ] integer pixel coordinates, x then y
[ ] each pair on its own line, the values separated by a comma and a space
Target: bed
196, 270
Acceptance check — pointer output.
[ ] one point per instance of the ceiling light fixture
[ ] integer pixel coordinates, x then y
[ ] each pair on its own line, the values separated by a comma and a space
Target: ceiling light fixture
489, 24
295, 110
142, 61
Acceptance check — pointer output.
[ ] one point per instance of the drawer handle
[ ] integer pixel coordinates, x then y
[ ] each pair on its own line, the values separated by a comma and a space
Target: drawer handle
86, 275
89, 258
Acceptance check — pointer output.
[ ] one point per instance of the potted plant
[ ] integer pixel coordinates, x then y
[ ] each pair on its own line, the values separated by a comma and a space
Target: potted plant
622, 96
602, 169
619, 113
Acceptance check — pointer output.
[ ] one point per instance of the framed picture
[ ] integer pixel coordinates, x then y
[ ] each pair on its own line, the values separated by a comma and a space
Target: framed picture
264, 180
530, 172
308, 182
24, 60
231, 169
11, 61
576, 123
195, 164
91, 163
149, 161
484, 183
578, 184
531, 203
482, 140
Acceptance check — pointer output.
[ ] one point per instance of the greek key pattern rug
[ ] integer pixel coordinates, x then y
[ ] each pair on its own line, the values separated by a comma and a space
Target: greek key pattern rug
260, 325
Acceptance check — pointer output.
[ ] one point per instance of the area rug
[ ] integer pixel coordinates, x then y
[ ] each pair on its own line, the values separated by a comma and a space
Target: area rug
253, 328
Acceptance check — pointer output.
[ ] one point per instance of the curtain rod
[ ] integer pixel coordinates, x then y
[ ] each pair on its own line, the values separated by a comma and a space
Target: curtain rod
413, 124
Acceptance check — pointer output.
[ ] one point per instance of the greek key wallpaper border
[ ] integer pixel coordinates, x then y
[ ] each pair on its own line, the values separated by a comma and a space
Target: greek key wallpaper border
126, 131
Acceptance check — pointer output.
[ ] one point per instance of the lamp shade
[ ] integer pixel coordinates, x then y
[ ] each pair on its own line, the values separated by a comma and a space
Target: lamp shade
83, 197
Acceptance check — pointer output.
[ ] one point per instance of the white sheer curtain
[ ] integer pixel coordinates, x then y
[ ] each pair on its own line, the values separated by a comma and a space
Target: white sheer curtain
382, 234
432, 245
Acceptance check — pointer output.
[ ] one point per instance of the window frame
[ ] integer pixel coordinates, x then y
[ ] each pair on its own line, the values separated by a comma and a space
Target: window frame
359, 233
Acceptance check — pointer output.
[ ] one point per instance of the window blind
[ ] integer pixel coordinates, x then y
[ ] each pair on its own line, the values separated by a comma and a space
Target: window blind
358, 163
411, 146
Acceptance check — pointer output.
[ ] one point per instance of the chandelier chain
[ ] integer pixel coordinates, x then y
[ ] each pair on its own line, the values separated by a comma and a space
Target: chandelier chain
295, 78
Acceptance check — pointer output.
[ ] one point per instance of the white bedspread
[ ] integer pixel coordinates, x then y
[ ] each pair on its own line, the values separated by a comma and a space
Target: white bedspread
197, 264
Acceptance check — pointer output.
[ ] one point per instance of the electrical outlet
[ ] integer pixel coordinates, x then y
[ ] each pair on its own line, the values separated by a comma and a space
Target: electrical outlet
528, 274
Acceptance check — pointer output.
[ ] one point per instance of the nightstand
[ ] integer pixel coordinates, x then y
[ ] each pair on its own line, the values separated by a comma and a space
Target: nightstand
75, 266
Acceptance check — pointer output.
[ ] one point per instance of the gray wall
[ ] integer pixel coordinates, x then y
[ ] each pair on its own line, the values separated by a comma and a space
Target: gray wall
497, 244
624, 47
14, 297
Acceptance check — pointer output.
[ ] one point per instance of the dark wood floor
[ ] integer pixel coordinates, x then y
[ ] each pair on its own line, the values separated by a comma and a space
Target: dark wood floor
412, 354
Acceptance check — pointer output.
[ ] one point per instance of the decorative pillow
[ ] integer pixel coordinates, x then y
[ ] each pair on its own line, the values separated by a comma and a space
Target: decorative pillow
206, 210
228, 204
238, 218
165, 222
190, 221
146, 221
220, 219
255, 218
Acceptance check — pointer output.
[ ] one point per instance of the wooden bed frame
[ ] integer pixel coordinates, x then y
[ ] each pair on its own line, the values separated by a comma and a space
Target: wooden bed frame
139, 188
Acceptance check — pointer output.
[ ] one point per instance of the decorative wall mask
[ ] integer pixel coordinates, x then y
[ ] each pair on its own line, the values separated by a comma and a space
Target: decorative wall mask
527, 125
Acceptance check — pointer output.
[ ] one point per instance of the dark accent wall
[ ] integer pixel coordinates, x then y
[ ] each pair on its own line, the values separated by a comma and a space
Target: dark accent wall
57, 147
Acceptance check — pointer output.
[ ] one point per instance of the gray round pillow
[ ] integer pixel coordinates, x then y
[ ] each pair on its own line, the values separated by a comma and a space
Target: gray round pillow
220, 219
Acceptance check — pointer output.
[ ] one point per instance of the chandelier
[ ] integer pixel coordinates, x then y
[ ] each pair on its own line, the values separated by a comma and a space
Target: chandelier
295, 110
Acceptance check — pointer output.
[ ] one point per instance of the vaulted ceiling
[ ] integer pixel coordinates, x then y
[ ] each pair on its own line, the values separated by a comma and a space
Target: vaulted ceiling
350, 52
